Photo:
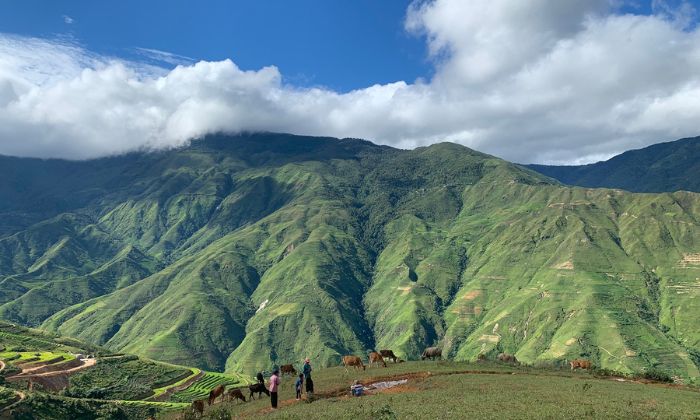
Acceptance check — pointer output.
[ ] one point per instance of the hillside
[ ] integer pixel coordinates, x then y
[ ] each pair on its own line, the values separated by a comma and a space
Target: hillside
241, 252
663, 167
48, 376
488, 390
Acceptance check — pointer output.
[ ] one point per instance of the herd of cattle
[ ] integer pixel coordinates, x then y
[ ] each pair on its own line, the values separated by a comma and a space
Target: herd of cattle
431, 353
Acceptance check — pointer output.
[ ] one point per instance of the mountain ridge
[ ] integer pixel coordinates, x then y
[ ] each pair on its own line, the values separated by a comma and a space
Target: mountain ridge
661, 167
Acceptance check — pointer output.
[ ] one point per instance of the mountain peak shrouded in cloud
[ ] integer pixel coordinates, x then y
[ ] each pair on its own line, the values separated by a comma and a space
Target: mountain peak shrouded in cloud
531, 81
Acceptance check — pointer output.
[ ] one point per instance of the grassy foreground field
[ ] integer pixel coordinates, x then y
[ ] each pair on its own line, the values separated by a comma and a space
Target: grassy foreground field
459, 390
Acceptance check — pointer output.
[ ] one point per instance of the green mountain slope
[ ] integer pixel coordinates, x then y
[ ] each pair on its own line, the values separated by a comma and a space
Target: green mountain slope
106, 385
671, 166
240, 252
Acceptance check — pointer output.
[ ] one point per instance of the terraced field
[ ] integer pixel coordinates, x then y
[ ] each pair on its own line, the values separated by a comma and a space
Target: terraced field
159, 406
33, 356
201, 388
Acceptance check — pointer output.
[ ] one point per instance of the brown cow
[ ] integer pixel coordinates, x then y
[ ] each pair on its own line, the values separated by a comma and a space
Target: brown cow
215, 393
235, 394
353, 361
580, 363
432, 353
198, 407
259, 388
388, 354
508, 358
375, 357
288, 369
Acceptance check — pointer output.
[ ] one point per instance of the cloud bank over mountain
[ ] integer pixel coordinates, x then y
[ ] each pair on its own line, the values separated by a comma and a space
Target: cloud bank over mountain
531, 81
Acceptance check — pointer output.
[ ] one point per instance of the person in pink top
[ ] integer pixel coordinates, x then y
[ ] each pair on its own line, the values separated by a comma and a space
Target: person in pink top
274, 384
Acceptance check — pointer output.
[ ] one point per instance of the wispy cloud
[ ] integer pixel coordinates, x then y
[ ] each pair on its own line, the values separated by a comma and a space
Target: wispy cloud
164, 57
68, 20
574, 82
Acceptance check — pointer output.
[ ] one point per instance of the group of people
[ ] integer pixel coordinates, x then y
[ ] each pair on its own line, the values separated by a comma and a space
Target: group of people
304, 377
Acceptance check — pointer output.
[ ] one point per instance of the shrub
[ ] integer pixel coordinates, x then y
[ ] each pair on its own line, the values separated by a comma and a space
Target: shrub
607, 372
219, 413
655, 374
384, 412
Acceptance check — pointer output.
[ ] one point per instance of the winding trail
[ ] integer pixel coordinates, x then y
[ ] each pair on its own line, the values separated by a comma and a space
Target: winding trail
26, 373
21, 396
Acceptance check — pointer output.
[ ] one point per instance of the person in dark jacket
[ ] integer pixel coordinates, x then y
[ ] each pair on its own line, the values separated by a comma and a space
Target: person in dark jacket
306, 370
298, 385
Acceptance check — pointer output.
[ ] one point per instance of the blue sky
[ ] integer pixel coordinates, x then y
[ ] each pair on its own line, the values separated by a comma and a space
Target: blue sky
339, 44
532, 81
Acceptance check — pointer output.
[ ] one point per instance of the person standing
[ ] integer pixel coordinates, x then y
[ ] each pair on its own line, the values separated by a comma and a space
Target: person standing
274, 385
307, 377
298, 384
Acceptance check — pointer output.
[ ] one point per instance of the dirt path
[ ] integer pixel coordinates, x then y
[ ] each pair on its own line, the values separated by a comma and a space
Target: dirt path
2, 365
26, 374
41, 365
21, 396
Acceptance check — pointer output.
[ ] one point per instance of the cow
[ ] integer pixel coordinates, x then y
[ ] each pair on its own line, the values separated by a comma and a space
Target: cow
353, 361
288, 369
375, 357
580, 363
235, 394
432, 353
215, 393
259, 388
508, 358
197, 407
388, 354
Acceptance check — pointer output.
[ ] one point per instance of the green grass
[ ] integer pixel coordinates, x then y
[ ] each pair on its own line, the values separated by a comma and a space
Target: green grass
206, 383
450, 390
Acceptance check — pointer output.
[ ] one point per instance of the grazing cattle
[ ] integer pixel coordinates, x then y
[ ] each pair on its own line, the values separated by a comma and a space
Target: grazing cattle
580, 363
215, 393
508, 358
288, 369
388, 354
236, 394
431, 353
375, 357
259, 388
353, 361
198, 407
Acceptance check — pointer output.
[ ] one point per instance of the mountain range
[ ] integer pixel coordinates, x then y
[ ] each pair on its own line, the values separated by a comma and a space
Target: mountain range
662, 167
238, 252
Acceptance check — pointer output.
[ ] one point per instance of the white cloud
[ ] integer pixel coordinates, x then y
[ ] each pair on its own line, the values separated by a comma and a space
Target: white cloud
68, 20
531, 81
